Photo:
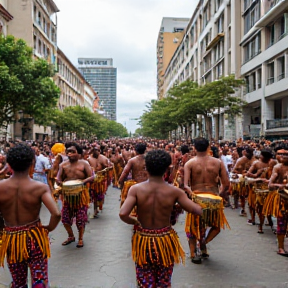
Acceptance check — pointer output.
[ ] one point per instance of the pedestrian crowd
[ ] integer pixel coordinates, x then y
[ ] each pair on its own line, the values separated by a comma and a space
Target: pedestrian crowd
158, 179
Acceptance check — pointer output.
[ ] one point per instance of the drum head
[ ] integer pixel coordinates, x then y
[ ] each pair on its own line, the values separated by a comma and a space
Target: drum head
209, 196
72, 183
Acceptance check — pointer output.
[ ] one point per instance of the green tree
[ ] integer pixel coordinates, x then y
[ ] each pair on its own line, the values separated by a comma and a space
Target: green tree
25, 83
187, 103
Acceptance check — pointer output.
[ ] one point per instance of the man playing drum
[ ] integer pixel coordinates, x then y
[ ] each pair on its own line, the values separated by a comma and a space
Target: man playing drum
75, 204
242, 165
260, 172
98, 163
202, 174
155, 245
278, 181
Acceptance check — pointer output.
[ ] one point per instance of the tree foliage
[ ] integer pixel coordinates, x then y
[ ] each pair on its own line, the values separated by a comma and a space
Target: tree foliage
187, 101
25, 83
84, 124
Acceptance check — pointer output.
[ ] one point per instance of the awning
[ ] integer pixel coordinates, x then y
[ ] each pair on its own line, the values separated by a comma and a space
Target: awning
214, 41
5, 14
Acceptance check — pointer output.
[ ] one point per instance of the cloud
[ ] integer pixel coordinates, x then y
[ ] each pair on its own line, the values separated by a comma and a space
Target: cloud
126, 31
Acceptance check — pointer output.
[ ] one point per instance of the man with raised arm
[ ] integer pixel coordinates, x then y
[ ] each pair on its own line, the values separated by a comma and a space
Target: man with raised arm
155, 245
25, 239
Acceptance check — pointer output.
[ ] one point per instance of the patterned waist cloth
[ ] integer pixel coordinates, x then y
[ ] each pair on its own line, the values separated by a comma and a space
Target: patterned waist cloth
16, 242
156, 245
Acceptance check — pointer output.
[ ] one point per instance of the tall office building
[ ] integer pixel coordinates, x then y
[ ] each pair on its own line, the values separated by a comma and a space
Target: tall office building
102, 76
169, 37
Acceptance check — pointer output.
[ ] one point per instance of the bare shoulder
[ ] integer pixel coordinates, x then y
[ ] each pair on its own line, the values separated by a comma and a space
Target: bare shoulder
215, 160
190, 162
277, 167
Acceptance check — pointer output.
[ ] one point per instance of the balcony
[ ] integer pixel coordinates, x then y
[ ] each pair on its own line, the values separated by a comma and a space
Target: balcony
277, 123
270, 81
274, 9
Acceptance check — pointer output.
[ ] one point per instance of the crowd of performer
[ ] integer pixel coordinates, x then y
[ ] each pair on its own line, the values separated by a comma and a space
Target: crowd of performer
157, 178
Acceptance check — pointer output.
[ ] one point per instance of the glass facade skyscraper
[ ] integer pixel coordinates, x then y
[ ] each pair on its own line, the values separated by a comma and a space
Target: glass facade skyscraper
102, 76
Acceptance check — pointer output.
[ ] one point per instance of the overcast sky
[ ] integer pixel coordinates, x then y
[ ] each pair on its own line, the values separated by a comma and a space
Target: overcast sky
125, 30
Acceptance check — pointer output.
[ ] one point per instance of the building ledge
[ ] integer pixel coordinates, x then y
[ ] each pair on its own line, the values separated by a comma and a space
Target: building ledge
5, 14
271, 14
214, 41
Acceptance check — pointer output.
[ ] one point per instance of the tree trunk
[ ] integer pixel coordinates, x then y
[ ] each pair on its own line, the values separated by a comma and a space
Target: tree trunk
208, 124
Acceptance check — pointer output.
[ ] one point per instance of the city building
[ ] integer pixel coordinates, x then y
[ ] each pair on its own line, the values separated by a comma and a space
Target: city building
35, 22
264, 49
5, 17
169, 37
102, 76
70, 81
209, 50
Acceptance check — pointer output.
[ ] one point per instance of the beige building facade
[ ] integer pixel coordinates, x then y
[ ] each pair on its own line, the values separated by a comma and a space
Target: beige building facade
264, 49
35, 21
5, 17
170, 35
209, 50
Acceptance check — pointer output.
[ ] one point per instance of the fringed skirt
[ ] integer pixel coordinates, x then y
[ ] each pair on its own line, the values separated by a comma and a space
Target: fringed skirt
15, 242
275, 204
160, 246
125, 189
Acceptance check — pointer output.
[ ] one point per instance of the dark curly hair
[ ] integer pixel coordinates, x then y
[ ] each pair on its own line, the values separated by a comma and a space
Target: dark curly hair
20, 157
184, 149
157, 161
201, 144
140, 148
78, 148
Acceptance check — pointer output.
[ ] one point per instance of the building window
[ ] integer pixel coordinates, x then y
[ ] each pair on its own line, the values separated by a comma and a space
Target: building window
218, 4
270, 73
220, 24
251, 14
252, 48
259, 78
271, 35
39, 47
283, 26
218, 50
219, 70
206, 14
39, 19
281, 67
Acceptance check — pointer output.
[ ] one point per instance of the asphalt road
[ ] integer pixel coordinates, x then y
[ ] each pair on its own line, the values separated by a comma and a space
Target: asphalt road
238, 257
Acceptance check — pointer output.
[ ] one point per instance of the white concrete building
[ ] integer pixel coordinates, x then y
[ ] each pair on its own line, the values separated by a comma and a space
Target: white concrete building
264, 49
210, 49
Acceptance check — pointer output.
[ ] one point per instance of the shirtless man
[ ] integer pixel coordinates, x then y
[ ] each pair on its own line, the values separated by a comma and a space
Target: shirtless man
260, 171
98, 162
155, 199
202, 174
118, 165
279, 180
20, 204
242, 165
74, 169
138, 169
126, 153
136, 165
